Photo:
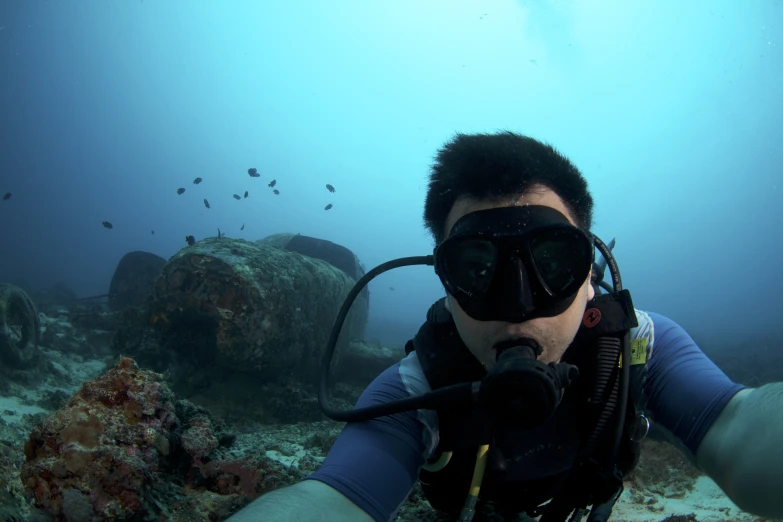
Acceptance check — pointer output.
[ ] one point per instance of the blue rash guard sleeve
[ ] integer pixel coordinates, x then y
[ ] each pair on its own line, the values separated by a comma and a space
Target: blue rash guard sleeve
376, 463
686, 391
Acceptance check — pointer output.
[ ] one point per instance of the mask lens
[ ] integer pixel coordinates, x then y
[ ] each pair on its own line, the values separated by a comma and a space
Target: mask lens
470, 264
560, 258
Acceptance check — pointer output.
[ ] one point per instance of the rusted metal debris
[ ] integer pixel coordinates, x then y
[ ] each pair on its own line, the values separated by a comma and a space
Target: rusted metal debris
251, 307
20, 328
134, 279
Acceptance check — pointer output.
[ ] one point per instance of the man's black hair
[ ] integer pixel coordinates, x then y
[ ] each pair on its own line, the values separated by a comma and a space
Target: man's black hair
496, 166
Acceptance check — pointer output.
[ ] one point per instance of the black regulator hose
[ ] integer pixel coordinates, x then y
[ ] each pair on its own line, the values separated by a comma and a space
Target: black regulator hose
625, 383
606, 252
441, 398
610, 350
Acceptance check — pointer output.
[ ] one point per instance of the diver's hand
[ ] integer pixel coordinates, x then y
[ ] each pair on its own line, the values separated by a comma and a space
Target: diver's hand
307, 501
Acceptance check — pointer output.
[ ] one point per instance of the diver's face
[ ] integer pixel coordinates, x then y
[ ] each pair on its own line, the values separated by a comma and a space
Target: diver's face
554, 334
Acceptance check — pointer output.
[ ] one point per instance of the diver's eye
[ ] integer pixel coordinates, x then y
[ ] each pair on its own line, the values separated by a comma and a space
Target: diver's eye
479, 271
470, 265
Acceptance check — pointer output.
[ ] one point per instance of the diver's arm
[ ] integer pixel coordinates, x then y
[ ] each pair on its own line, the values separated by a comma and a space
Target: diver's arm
306, 501
742, 450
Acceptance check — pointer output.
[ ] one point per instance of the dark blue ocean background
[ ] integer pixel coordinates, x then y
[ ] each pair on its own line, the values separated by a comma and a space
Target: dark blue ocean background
672, 110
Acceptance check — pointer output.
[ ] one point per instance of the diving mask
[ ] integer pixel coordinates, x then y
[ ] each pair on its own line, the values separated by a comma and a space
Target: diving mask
514, 263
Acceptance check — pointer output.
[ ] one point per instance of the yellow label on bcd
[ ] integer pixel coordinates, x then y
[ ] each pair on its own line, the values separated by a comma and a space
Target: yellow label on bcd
639, 350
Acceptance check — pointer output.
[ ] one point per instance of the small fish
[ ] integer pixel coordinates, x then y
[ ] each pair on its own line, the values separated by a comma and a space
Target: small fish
246, 193
206, 203
219, 234
329, 188
327, 207
273, 183
153, 232
190, 240
6, 196
180, 191
237, 197
197, 181
277, 192
106, 224
242, 227
391, 288
253, 173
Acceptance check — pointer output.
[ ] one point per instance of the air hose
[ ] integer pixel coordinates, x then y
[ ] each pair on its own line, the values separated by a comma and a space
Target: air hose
466, 515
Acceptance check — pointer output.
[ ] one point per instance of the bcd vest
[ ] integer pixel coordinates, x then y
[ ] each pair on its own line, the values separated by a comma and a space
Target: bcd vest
446, 360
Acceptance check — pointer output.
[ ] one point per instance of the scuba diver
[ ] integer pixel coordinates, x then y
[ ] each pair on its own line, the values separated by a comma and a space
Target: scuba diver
531, 383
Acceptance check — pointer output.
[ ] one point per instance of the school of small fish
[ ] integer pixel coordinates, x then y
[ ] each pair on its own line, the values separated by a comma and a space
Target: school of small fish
191, 240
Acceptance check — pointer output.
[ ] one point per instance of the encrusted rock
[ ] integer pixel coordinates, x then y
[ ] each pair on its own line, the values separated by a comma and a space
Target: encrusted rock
106, 444
257, 308
125, 449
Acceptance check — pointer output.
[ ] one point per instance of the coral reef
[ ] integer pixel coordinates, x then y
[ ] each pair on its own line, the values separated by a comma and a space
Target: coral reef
125, 448
106, 444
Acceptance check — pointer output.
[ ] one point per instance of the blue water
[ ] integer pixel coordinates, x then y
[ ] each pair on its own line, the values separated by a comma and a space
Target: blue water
672, 110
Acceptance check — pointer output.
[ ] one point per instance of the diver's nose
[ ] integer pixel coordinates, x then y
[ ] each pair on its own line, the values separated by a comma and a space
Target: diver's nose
516, 287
